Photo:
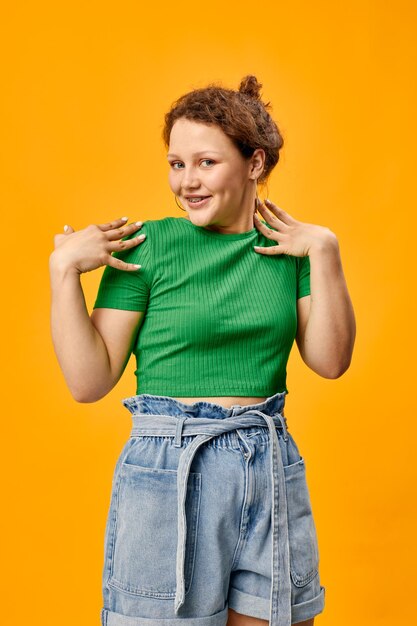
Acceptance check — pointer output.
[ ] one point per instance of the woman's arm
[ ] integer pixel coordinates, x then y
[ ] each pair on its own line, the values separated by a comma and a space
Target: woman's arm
79, 348
92, 352
326, 321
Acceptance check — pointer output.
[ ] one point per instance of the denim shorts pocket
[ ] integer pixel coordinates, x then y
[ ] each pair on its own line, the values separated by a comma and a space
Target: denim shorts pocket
143, 560
304, 556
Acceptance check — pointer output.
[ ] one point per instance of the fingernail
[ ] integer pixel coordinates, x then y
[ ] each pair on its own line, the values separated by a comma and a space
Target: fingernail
267, 200
138, 223
124, 218
65, 228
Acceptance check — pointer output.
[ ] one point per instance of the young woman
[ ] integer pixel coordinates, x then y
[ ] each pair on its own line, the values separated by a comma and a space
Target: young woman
210, 520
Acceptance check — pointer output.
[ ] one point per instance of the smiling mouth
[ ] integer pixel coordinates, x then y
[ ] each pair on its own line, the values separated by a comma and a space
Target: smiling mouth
197, 203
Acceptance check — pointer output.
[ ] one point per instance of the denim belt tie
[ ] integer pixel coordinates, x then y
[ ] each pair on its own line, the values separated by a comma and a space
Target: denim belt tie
205, 429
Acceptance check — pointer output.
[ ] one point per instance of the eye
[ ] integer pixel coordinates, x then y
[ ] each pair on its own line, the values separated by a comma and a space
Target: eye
174, 163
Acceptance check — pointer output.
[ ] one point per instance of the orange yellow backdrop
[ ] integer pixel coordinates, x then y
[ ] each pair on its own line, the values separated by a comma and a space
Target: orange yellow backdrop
85, 89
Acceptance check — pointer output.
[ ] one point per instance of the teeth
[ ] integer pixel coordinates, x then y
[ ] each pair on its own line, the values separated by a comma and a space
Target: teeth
196, 199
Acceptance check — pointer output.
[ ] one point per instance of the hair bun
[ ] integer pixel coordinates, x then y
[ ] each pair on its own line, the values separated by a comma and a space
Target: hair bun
250, 87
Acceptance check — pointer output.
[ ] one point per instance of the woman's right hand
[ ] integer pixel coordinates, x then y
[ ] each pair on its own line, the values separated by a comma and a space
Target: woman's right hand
91, 247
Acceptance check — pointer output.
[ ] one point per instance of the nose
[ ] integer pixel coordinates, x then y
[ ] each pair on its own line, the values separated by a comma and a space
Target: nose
190, 180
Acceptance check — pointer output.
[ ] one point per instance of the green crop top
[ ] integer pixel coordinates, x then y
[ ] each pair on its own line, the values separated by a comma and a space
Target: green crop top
220, 318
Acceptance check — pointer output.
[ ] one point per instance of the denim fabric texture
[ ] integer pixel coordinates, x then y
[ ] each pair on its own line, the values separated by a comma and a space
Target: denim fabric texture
209, 509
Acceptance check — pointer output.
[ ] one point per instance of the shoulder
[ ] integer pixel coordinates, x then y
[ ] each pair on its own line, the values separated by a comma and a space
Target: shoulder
161, 229
166, 232
165, 225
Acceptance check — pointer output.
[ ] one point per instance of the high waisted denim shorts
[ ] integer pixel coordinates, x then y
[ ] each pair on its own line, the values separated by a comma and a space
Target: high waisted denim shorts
210, 510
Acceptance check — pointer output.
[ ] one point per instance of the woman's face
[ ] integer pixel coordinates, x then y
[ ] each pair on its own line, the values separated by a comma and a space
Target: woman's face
205, 162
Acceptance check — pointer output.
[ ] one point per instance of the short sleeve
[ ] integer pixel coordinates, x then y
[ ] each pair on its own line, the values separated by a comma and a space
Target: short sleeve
127, 289
303, 276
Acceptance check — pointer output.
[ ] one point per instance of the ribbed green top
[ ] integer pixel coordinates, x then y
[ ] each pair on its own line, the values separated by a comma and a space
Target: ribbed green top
220, 318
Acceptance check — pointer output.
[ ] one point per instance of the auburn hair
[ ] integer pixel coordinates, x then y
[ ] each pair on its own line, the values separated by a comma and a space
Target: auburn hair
241, 114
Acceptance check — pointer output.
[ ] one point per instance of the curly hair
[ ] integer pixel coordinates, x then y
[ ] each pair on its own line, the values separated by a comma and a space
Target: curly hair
241, 114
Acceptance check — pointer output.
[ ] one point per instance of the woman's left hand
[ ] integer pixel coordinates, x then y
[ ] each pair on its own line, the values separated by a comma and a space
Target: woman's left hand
294, 237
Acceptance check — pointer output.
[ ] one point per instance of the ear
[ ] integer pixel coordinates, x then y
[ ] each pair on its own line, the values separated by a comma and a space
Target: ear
257, 163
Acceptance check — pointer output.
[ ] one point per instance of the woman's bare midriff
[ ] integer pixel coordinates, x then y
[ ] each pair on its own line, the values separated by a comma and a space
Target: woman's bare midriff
226, 401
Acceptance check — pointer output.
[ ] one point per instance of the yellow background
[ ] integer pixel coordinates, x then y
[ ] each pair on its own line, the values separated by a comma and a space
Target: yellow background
85, 89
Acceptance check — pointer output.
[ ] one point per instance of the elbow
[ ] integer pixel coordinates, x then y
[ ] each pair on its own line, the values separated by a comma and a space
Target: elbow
335, 370
83, 398
330, 361
333, 374
87, 396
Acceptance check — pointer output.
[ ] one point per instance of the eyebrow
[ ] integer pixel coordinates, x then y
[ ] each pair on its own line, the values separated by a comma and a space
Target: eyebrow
197, 153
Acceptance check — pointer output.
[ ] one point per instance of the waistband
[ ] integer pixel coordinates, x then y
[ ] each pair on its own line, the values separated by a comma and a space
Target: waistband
165, 416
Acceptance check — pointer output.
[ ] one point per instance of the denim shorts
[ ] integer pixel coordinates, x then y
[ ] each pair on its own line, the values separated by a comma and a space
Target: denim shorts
209, 510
